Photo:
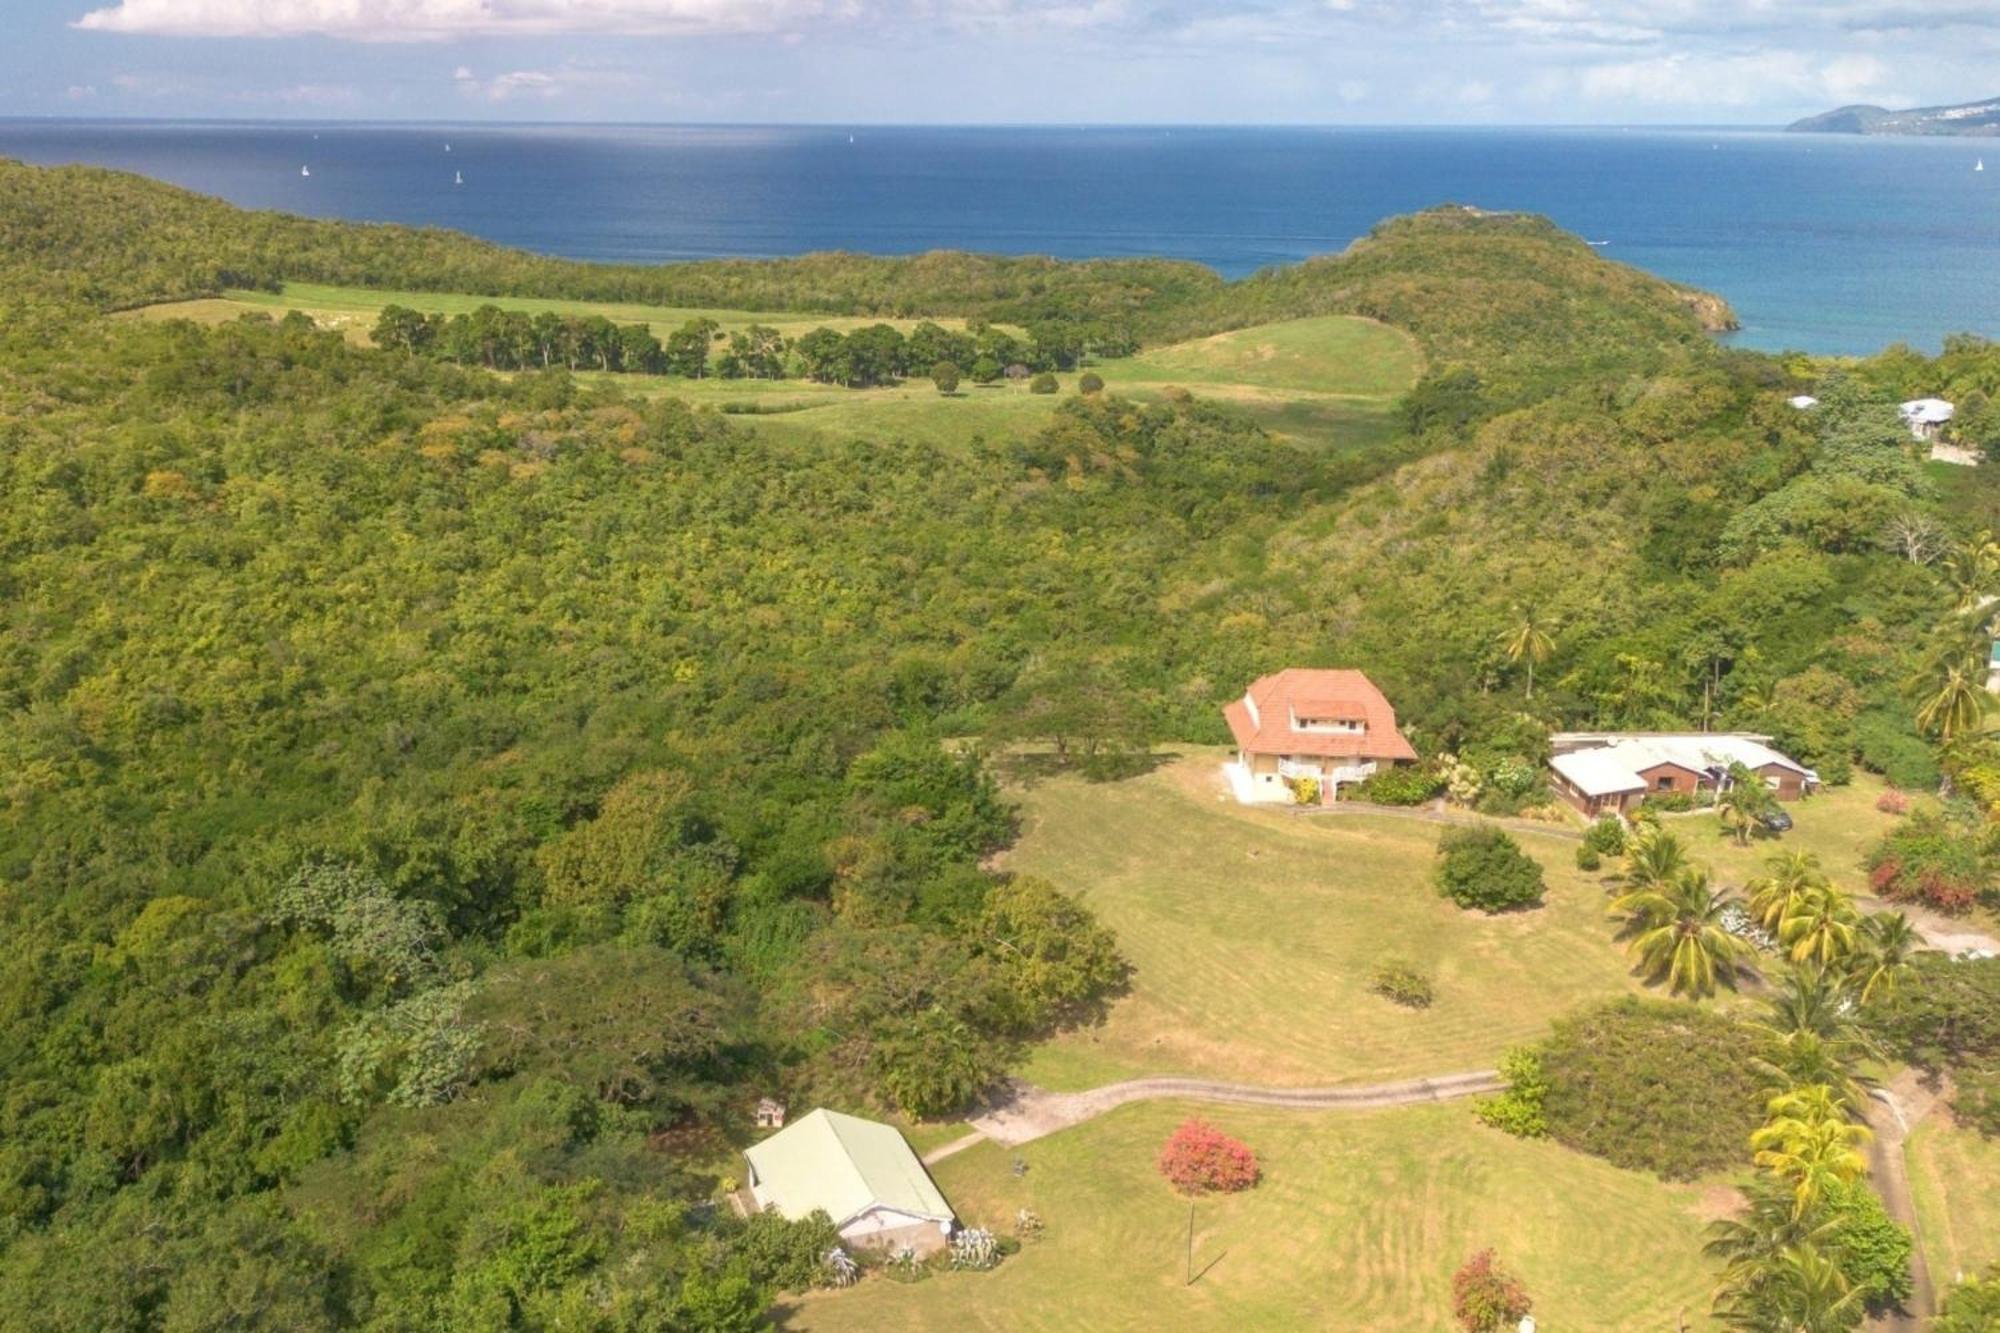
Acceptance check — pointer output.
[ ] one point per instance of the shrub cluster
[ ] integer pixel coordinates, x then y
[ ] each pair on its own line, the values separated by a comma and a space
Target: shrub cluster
1653, 1086
1486, 1298
1521, 1109
1198, 1158
1484, 868
1935, 857
1402, 984
1405, 784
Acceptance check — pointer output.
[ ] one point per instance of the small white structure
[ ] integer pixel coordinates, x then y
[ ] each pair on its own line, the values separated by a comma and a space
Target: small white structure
1926, 417
770, 1113
1803, 401
861, 1173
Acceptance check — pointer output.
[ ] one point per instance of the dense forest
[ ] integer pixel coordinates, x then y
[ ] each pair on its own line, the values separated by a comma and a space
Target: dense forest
435, 804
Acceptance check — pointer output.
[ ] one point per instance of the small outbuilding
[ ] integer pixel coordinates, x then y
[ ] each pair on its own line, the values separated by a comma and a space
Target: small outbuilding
861, 1173
770, 1113
1804, 402
1927, 417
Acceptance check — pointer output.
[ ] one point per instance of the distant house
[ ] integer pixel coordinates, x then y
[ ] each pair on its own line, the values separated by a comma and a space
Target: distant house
1803, 401
1612, 772
1330, 726
861, 1173
1926, 417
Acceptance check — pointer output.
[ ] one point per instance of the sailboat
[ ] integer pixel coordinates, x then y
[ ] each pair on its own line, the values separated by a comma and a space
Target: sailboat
305, 171
1980, 165
458, 178
447, 148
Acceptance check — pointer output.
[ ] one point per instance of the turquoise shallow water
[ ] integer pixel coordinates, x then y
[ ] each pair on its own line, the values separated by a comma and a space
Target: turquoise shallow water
1826, 244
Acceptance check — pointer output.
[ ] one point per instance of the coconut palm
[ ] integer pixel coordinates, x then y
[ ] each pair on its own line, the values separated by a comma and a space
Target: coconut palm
1972, 570
1812, 999
1792, 875
1527, 640
1742, 804
1953, 701
1678, 934
1810, 1142
1882, 953
1653, 857
1752, 1246
1820, 927
1798, 1289
1804, 1058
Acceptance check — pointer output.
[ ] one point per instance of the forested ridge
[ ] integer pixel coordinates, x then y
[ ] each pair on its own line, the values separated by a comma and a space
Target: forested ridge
434, 805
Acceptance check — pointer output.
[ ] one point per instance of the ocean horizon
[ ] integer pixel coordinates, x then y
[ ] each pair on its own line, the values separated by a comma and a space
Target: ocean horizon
1821, 243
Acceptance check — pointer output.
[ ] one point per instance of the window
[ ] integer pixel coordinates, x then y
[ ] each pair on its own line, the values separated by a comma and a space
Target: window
1665, 782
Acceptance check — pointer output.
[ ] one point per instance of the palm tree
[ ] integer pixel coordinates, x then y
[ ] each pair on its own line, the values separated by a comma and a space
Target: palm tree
1802, 1058
1527, 640
1742, 804
1752, 1247
1882, 955
1972, 570
1792, 875
1820, 926
1810, 1142
1678, 934
1954, 701
1653, 857
1799, 1289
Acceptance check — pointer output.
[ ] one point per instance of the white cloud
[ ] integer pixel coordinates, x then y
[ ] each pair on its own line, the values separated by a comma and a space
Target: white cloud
1682, 79
423, 20
537, 83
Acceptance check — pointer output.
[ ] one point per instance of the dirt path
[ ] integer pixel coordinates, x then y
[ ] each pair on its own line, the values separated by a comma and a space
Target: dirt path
1949, 934
1020, 1112
1895, 1109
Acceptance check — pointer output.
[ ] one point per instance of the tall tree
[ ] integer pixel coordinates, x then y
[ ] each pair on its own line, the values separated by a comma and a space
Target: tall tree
1528, 640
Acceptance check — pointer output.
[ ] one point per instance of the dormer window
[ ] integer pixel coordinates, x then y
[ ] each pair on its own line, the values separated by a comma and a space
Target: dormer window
1334, 718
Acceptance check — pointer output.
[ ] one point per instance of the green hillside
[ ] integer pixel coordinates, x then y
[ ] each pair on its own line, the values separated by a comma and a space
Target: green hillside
437, 802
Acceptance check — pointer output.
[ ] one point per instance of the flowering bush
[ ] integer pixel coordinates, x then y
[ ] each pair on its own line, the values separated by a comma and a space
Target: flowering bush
1485, 1298
1305, 790
1198, 1158
1934, 858
1893, 802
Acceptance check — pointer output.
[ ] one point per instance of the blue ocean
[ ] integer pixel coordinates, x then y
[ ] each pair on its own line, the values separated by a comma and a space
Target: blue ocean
1823, 244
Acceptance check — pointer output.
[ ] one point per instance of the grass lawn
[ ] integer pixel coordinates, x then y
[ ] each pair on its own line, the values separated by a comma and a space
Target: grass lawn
1839, 825
1358, 1224
1324, 354
1955, 1178
1254, 933
1330, 381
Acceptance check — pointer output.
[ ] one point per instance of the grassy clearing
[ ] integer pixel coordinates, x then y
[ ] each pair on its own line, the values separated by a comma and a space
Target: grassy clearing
1955, 1178
1329, 382
1359, 1223
1326, 354
1254, 934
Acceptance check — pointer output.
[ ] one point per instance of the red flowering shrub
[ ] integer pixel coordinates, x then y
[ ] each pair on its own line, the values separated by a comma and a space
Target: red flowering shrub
1893, 802
1933, 857
1198, 1158
1485, 1297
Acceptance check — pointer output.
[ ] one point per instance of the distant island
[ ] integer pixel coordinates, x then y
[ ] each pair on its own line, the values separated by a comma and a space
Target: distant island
1967, 118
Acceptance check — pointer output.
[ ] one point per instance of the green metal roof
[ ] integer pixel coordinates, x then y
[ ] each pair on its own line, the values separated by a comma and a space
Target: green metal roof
843, 1165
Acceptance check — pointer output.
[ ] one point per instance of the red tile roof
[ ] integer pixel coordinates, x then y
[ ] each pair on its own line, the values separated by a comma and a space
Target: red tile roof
1327, 694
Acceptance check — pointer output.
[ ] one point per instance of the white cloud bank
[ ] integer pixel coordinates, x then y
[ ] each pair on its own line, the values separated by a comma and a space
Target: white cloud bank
431, 20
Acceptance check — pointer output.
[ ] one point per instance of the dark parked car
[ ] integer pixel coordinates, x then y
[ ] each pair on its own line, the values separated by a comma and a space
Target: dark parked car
1777, 821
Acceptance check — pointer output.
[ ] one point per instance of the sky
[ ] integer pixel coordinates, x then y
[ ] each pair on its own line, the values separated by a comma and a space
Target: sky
1622, 62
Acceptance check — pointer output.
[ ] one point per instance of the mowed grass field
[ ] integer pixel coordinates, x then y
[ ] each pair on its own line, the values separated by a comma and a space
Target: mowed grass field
1359, 1222
1955, 1179
1254, 934
1330, 381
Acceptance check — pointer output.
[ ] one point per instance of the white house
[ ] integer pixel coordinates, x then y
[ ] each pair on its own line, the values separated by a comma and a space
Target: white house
861, 1173
1326, 725
1602, 772
1926, 417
